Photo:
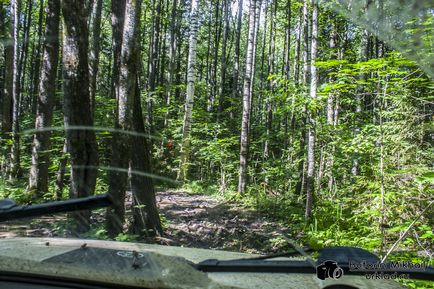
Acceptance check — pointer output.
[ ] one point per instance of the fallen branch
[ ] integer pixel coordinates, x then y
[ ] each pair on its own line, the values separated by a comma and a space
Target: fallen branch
406, 232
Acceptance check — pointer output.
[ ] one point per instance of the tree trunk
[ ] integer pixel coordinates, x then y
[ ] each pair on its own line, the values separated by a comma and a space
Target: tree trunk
221, 91
22, 62
236, 72
6, 109
286, 67
119, 161
331, 99
36, 63
15, 167
153, 52
311, 116
117, 10
81, 142
38, 176
271, 61
217, 32
128, 63
189, 100
146, 219
305, 42
298, 49
245, 123
304, 30
363, 56
60, 176
172, 57
94, 50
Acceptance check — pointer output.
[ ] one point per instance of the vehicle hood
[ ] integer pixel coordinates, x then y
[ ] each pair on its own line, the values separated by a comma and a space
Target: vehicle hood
160, 266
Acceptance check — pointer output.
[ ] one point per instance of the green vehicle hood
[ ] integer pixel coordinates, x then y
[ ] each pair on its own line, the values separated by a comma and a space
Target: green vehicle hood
162, 266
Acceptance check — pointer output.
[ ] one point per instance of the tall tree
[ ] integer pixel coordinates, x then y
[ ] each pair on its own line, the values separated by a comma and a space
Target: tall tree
271, 64
131, 148
189, 99
38, 176
311, 114
94, 49
223, 64
286, 66
81, 142
332, 100
245, 121
146, 219
36, 60
236, 70
119, 161
172, 58
117, 11
15, 166
304, 30
6, 94
24, 52
363, 56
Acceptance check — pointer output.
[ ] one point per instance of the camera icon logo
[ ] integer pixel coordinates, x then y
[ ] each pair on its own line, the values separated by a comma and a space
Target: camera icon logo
329, 269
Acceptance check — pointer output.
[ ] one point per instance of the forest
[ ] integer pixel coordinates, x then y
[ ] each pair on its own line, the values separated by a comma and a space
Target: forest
318, 115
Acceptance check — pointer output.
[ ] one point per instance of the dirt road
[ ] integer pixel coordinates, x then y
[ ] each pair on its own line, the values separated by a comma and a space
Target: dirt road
189, 220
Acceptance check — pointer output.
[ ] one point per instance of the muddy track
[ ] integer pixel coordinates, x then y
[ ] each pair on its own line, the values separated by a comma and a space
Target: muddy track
189, 220
204, 222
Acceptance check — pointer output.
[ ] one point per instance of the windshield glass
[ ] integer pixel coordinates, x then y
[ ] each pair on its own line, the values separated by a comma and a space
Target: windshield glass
231, 125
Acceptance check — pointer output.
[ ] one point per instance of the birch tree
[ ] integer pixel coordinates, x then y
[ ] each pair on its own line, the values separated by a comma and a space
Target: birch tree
245, 122
189, 99
311, 114
15, 167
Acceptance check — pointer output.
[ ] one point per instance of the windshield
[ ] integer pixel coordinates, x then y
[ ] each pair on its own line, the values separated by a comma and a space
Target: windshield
230, 125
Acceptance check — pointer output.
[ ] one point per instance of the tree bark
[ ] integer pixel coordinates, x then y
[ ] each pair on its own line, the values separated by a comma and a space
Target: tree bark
81, 142
38, 176
245, 122
311, 115
189, 100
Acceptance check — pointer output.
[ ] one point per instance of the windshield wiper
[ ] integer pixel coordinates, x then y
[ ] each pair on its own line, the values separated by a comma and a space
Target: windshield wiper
345, 257
9, 210
277, 255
